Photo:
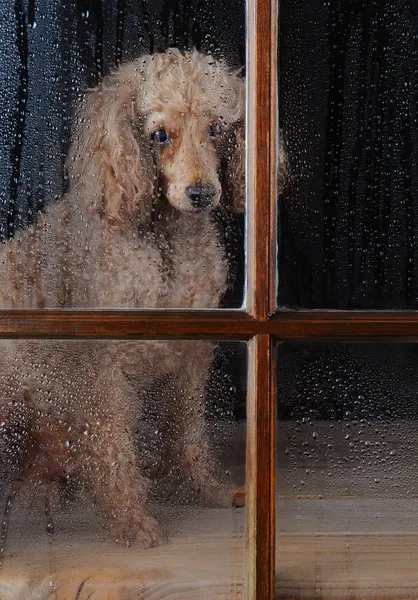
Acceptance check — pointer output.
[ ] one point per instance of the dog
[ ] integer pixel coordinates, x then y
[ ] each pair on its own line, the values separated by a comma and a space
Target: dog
157, 148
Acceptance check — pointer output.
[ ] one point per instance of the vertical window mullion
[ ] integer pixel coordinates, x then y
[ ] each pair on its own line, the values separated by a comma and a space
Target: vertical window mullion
261, 194
261, 420
259, 143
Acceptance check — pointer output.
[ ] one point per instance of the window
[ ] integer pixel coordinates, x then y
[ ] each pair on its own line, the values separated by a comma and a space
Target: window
300, 319
63, 347
346, 352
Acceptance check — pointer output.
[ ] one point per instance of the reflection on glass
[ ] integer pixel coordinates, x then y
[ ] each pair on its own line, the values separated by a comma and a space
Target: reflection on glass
123, 459
347, 428
123, 150
348, 222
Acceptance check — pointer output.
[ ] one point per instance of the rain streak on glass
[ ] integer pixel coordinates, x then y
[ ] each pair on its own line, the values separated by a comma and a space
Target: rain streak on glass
348, 225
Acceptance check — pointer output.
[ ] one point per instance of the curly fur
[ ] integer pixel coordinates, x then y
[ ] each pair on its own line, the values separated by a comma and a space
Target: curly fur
126, 236
23, 590
115, 241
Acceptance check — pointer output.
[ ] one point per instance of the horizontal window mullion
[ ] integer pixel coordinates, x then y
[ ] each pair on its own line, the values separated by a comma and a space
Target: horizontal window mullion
126, 324
219, 324
344, 325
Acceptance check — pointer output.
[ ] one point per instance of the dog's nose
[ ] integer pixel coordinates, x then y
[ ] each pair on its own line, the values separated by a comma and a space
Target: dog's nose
200, 194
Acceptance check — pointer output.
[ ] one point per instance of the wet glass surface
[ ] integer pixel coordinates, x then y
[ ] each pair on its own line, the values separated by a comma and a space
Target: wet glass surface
346, 463
348, 92
122, 467
139, 183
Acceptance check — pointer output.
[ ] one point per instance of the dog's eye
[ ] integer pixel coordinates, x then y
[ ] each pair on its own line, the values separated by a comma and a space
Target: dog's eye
161, 137
214, 131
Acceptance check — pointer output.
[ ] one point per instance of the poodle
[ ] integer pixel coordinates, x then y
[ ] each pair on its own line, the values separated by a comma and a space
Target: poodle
158, 147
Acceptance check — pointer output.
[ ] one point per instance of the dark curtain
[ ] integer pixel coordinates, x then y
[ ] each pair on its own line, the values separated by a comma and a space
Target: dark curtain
348, 108
360, 382
349, 213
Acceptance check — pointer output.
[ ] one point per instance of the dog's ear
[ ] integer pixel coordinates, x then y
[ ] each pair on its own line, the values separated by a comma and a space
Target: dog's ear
110, 155
233, 170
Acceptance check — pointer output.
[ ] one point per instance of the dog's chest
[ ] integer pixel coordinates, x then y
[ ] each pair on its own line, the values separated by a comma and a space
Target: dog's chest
177, 267
192, 264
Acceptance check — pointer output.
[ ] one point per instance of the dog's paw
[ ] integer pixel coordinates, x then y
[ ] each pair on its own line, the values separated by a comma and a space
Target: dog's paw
143, 533
148, 533
224, 496
238, 497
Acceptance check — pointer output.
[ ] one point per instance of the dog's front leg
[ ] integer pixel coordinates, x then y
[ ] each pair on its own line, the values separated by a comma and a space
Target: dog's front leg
118, 489
190, 445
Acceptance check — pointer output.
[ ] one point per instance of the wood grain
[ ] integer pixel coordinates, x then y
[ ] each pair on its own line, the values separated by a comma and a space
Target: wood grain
260, 471
274, 158
347, 520
150, 324
259, 143
334, 325
221, 324
202, 559
344, 566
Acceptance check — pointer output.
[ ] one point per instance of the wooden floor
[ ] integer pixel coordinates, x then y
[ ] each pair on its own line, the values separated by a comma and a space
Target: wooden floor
343, 562
347, 518
347, 529
203, 558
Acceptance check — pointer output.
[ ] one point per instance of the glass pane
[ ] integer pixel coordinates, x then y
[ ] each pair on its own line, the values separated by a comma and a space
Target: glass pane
122, 469
348, 216
347, 518
122, 154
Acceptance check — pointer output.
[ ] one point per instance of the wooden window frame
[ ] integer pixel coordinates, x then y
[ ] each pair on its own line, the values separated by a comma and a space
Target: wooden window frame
261, 325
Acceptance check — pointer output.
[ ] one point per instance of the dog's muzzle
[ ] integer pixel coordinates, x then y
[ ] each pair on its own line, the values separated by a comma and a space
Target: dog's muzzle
200, 194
